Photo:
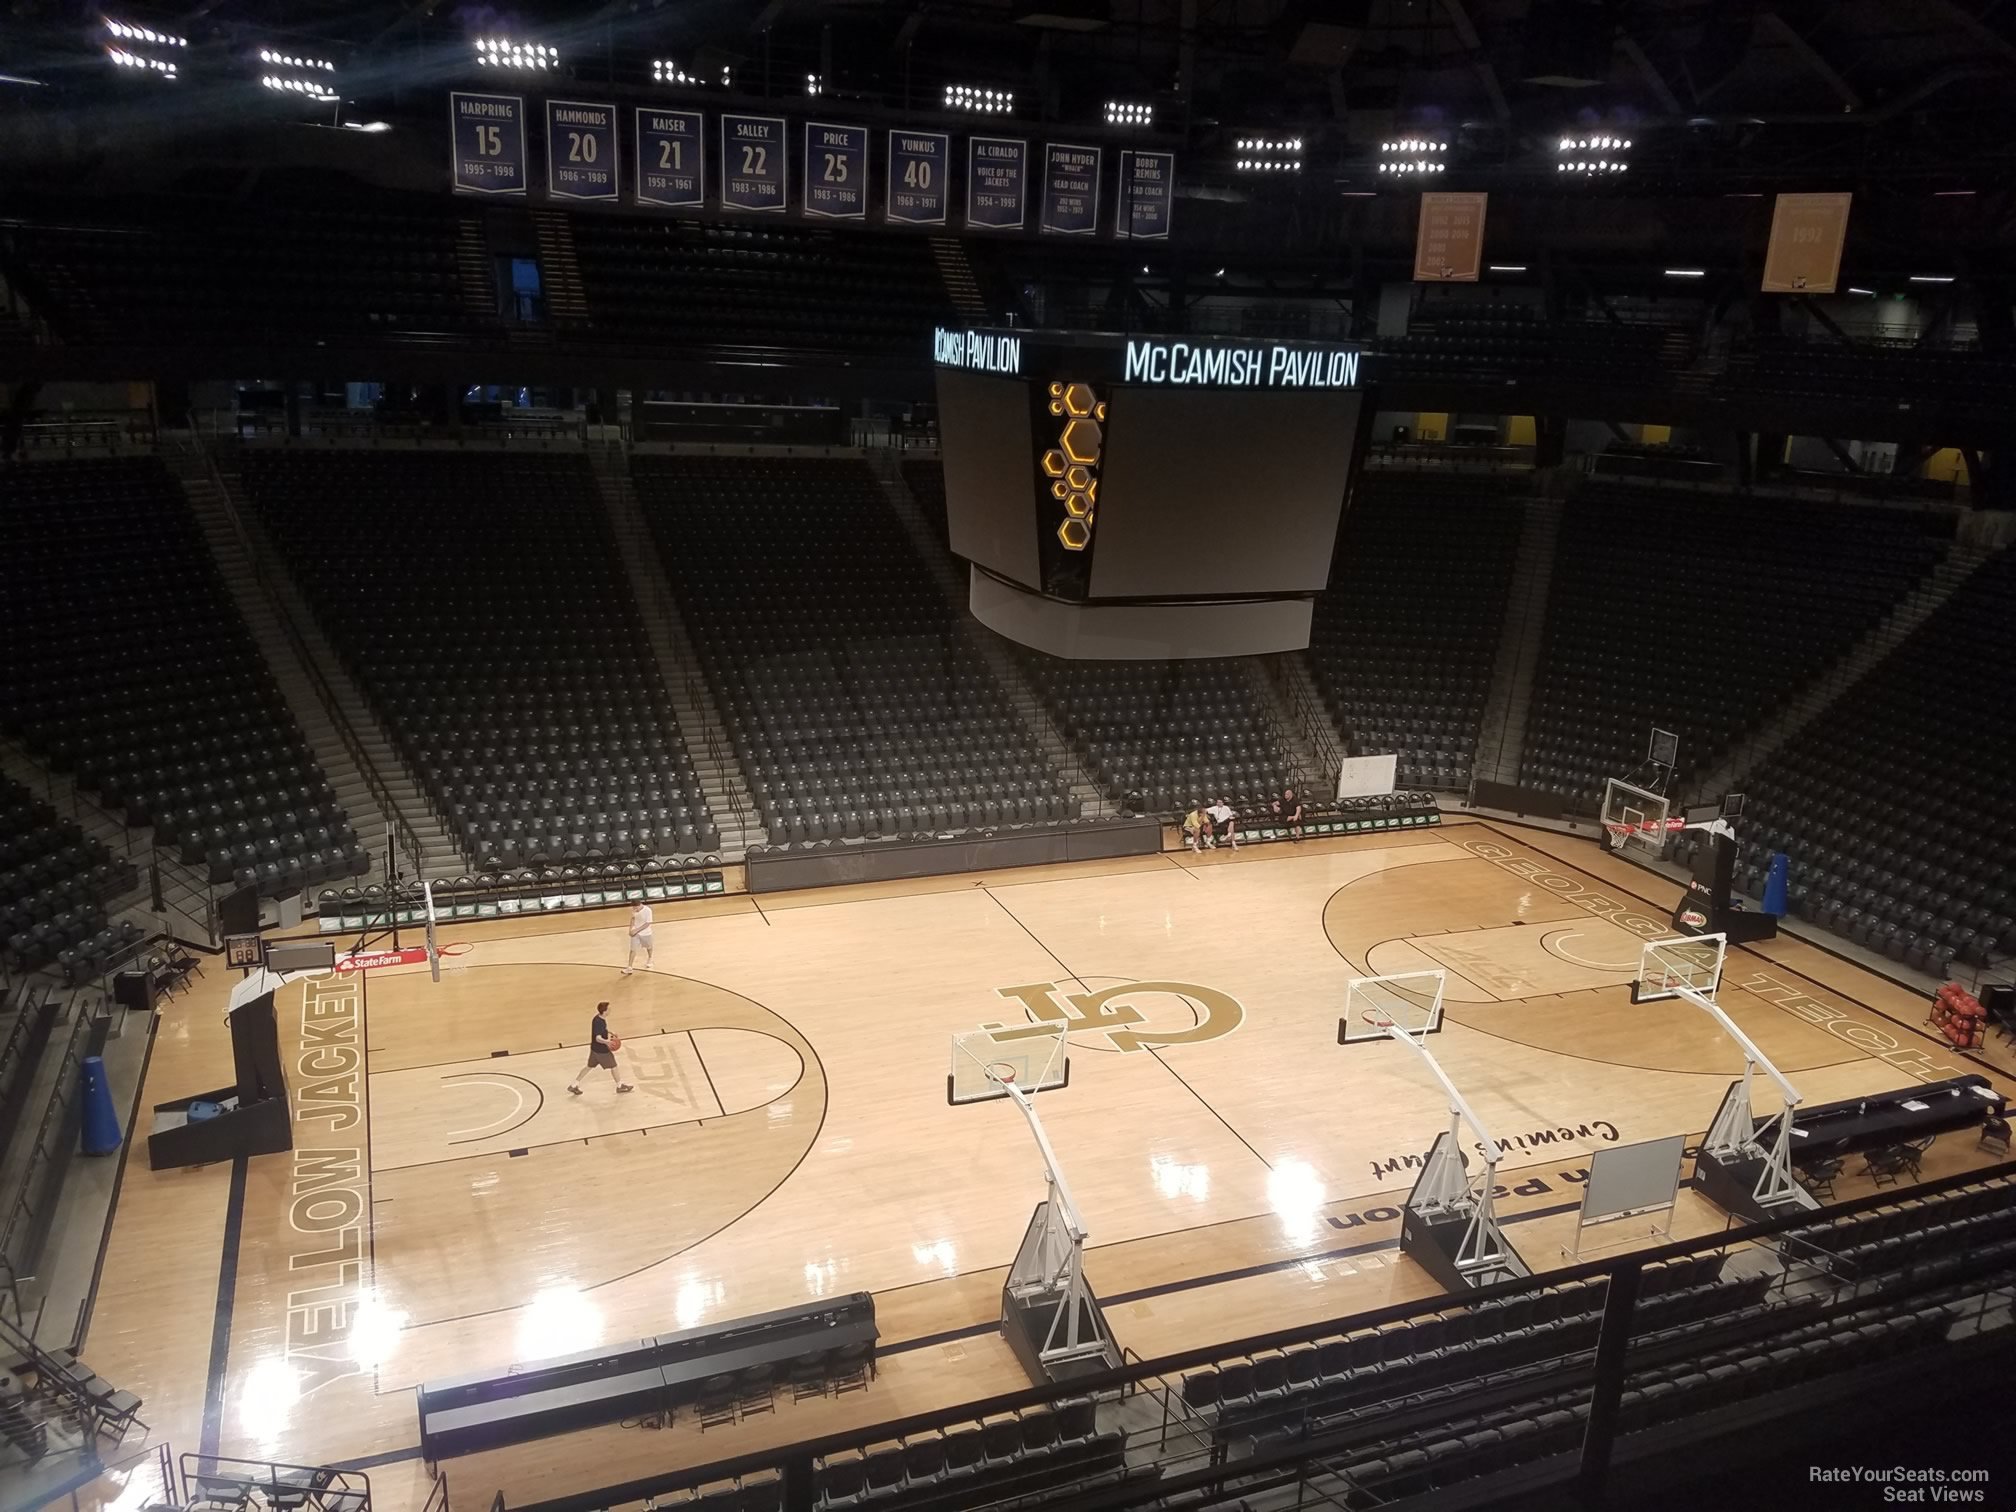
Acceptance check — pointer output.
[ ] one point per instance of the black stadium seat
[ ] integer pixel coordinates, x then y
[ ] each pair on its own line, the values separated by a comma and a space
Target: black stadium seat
124, 662
500, 643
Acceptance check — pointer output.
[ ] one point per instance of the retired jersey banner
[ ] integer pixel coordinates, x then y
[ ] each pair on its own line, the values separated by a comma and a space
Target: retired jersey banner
1807, 234
753, 163
671, 158
919, 167
836, 171
488, 142
997, 183
1449, 238
1147, 192
581, 151
1070, 189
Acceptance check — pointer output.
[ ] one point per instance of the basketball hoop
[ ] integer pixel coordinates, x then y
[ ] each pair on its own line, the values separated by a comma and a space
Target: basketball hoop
1378, 1018
1001, 1071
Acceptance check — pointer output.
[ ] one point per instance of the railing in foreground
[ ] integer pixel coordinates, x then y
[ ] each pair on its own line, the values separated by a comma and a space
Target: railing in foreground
221, 1480
1286, 1450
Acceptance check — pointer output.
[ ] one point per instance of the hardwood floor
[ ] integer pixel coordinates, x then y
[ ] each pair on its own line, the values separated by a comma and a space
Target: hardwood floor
450, 1205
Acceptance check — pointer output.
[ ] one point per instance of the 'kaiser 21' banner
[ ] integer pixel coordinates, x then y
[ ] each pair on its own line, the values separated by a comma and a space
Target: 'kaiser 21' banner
671, 158
489, 134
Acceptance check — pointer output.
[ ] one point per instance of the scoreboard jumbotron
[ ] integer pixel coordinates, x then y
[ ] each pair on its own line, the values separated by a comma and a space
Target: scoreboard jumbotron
1147, 496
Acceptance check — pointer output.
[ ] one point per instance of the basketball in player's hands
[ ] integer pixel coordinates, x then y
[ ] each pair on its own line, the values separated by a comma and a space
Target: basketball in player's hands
615, 1040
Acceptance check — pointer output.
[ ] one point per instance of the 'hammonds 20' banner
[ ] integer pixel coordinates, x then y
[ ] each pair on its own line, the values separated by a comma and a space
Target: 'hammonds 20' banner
581, 151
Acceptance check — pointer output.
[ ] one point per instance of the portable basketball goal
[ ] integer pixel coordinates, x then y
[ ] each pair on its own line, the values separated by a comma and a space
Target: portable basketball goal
1049, 1315
1746, 1161
1452, 1223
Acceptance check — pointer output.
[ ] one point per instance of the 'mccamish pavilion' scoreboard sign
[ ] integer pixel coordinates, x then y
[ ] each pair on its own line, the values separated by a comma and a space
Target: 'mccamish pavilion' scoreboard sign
1152, 361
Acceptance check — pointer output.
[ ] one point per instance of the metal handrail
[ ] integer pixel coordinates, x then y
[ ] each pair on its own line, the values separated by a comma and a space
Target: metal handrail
311, 1488
407, 838
62, 1100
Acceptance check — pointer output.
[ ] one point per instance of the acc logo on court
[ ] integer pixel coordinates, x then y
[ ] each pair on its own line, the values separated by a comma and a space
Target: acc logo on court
1116, 1014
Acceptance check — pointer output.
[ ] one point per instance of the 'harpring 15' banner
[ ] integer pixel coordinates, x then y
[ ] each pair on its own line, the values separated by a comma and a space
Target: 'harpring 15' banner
836, 171
1147, 189
997, 183
920, 165
581, 151
671, 158
489, 142
1070, 190
753, 163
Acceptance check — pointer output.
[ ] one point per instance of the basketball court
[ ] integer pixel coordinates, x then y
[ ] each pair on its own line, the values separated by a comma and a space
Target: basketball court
798, 1127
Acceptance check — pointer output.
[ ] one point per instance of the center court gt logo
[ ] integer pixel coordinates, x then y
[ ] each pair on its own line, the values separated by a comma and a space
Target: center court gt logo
1129, 1016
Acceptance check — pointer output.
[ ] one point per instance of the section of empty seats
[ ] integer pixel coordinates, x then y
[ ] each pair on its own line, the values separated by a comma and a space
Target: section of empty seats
1284, 1393
1404, 638
926, 480
745, 285
478, 598
383, 265
855, 703
124, 662
1176, 732
1954, 380
55, 883
1000, 1459
1701, 614
1895, 805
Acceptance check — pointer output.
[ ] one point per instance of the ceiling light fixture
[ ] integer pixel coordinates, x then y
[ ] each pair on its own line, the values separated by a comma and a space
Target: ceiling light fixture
982, 101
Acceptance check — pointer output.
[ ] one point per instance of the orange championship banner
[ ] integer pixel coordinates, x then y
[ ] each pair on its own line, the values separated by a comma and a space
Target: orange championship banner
1807, 234
1449, 242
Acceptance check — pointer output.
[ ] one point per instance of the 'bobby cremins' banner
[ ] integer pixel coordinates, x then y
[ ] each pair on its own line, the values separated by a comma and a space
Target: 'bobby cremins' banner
489, 142
1070, 189
581, 151
919, 166
1147, 191
753, 162
836, 171
671, 160
997, 183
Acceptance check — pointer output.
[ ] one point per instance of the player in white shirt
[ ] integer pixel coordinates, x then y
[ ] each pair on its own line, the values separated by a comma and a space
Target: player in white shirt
640, 937
1223, 822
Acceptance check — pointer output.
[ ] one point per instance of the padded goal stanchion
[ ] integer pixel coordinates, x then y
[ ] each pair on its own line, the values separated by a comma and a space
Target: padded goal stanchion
101, 1121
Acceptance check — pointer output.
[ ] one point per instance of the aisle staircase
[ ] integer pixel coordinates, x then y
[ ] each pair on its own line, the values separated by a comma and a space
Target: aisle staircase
354, 752
951, 576
955, 271
1502, 732
475, 271
729, 800
1924, 599
559, 268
